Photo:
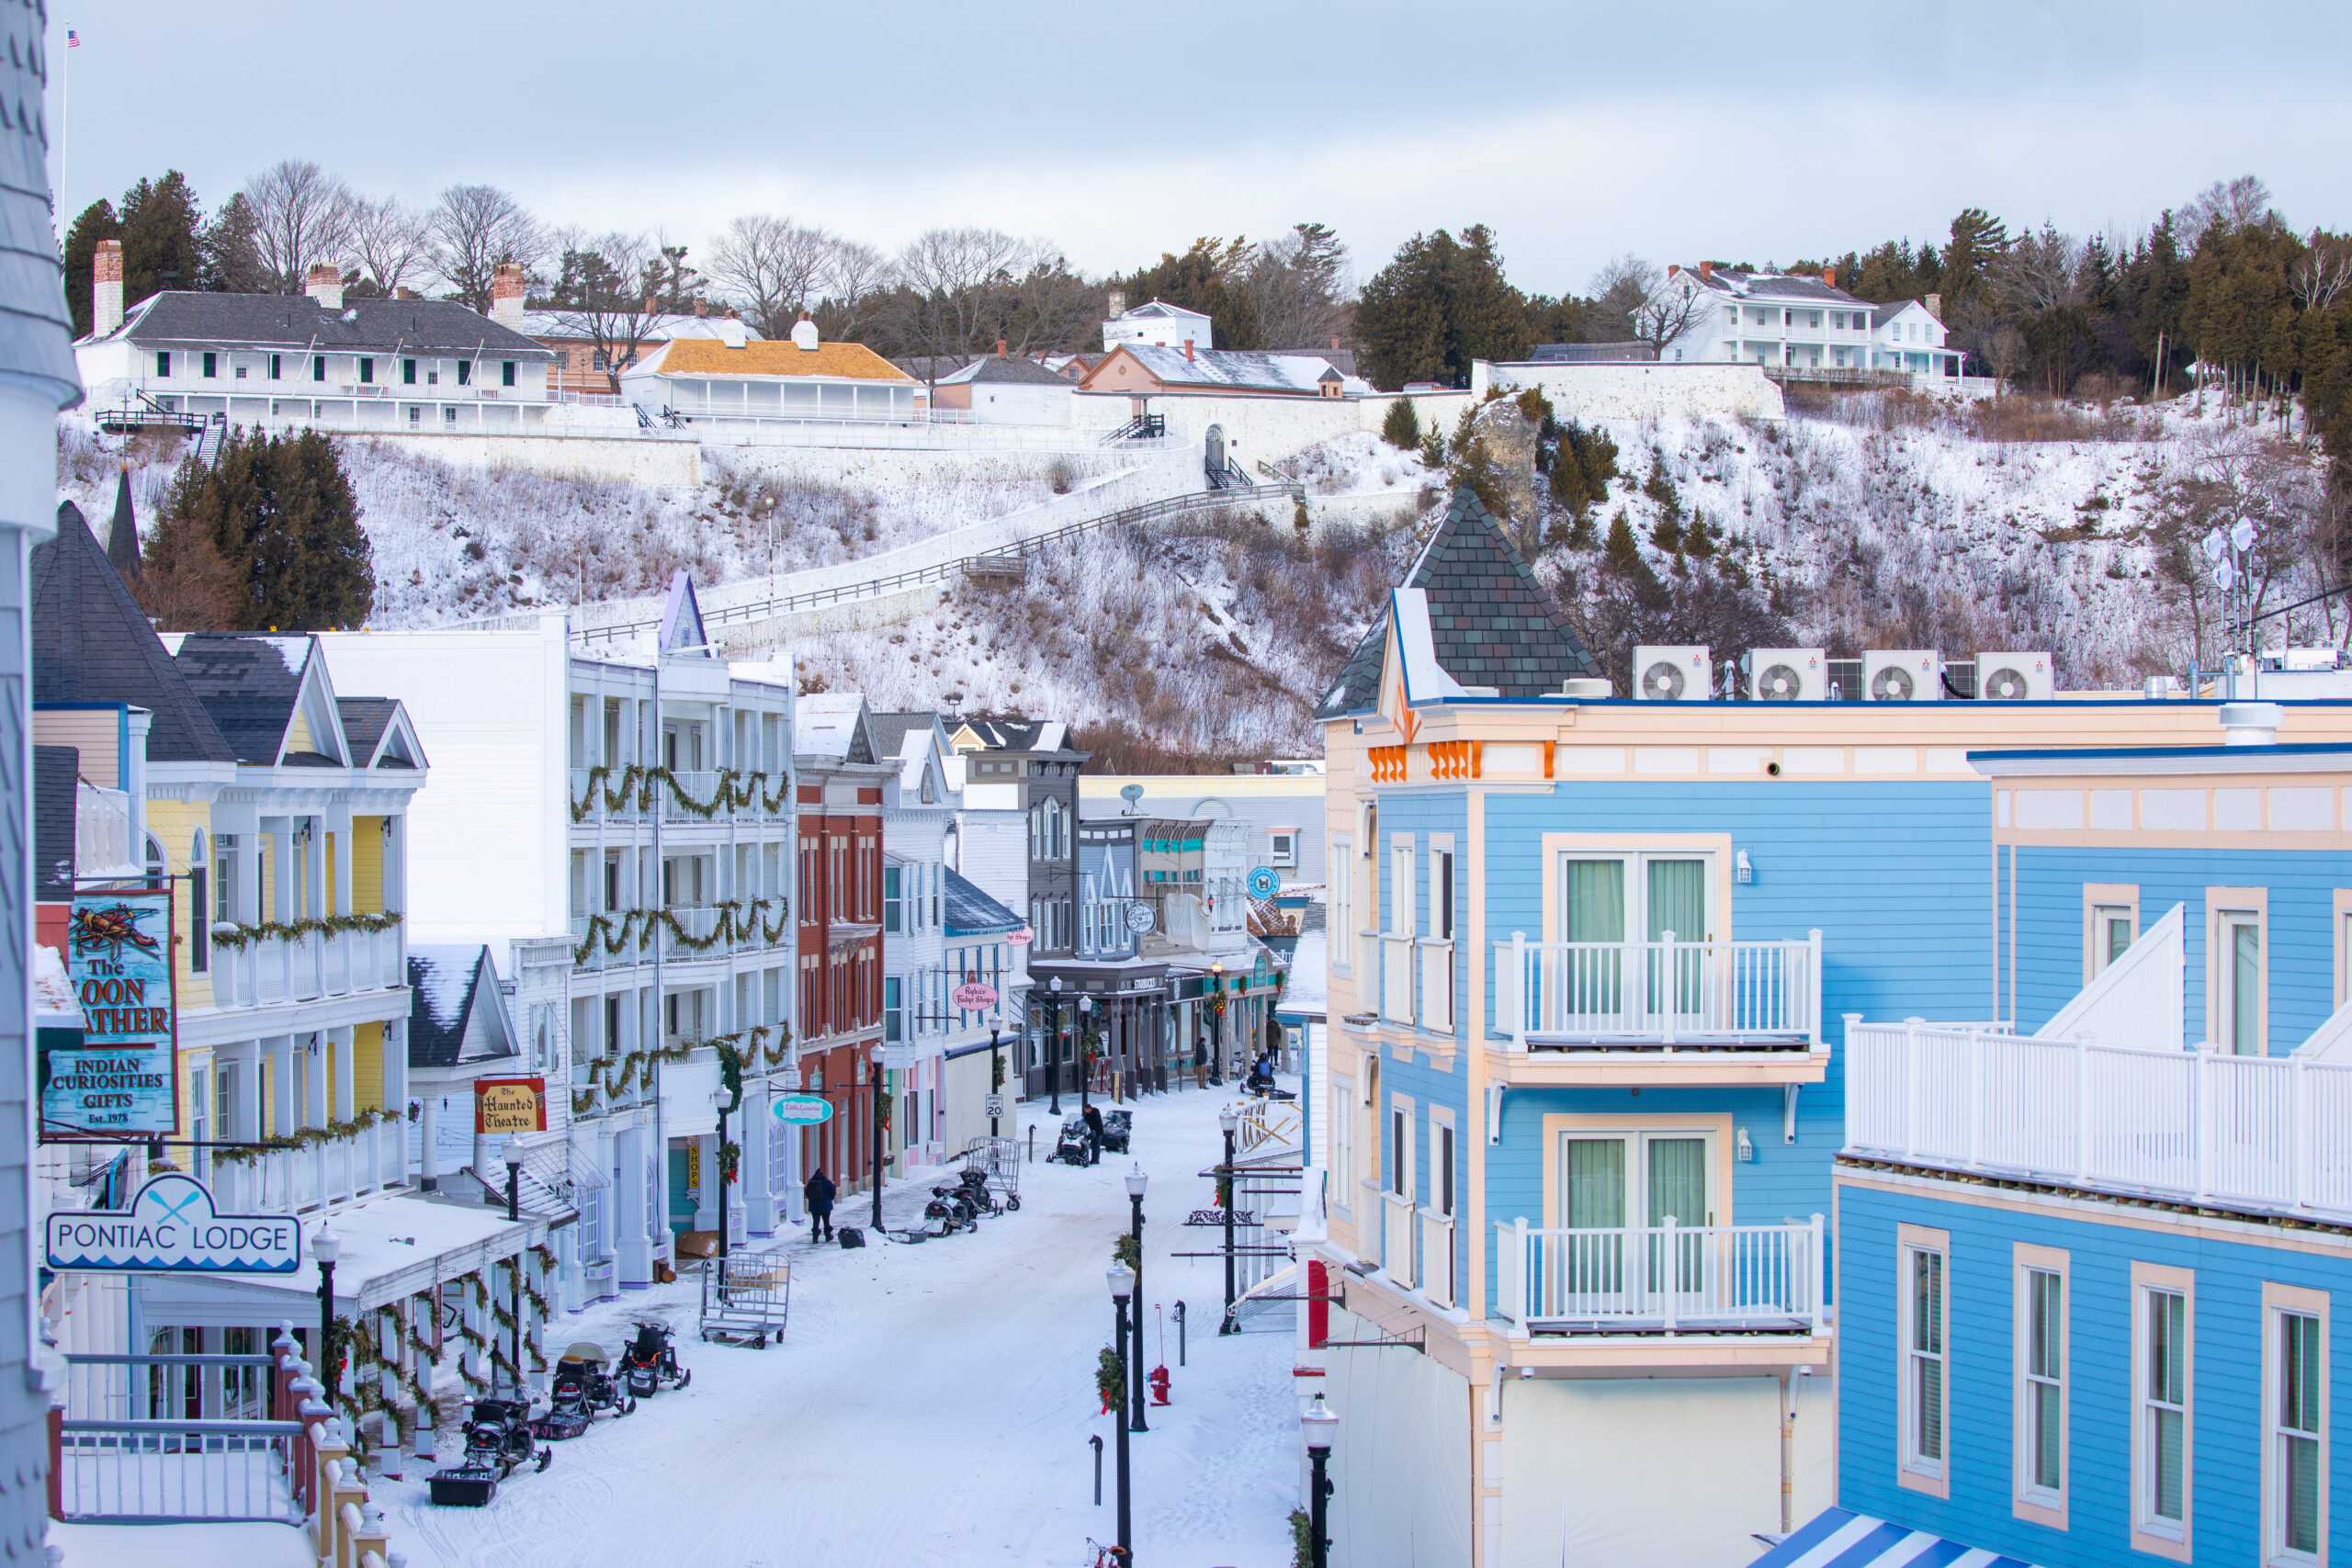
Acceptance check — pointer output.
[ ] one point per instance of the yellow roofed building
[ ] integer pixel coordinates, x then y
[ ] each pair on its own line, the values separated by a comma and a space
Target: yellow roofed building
735, 376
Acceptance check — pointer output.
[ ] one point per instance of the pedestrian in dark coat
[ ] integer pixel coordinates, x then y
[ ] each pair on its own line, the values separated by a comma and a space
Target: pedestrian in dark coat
819, 1190
1093, 1134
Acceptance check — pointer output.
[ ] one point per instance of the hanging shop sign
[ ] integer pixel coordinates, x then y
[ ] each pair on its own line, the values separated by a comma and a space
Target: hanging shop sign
171, 1226
1141, 917
120, 1079
801, 1109
1021, 938
509, 1105
1265, 883
974, 995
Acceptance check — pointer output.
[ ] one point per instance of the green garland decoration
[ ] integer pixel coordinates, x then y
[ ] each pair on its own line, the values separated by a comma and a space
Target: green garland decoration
239, 936
738, 922
737, 790
308, 1137
748, 1048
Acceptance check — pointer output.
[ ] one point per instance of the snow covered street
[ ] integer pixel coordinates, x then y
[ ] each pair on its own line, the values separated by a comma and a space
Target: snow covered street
927, 1406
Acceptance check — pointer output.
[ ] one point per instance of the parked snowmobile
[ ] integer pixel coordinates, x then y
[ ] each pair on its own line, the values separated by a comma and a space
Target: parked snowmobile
583, 1385
498, 1439
649, 1362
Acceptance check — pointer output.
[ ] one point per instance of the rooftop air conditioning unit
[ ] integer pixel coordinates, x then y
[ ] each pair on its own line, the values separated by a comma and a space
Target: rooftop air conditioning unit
1789, 676
1902, 675
1673, 674
2013, 678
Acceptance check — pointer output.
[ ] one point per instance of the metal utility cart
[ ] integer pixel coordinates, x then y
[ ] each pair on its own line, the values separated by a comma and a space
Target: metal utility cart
998, 1159
746, 1298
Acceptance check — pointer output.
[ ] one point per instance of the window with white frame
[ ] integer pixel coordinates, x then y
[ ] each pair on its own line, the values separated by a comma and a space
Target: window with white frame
2160, 1427
1344, 894
2041, 1360
1926, 1366
1282, 847
1400, 1151
2294, 1468
1343, 1153
1629, 895
1442, 894
2114, 928
1400, 890
2236, 1021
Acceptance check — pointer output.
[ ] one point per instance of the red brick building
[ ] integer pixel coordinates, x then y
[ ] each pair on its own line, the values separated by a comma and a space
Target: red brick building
840, 886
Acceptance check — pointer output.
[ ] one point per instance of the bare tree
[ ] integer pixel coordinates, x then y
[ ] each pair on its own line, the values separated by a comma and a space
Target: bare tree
945, 278
854, 286
476, 229
2233, 203
1621, 289
606, 292
773, 268
1298, 287
301, 216
2321, 274
1672, 307
392, 244
2039, 273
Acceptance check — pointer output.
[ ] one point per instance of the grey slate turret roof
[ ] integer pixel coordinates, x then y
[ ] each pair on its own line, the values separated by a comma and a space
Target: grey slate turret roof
1491, 624
92, 644
123, 534
36, 335
249, 685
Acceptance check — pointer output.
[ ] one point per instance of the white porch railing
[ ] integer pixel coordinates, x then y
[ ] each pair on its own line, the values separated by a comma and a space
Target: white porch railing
2270, 1133
1437, 1258
270, 969
294, 1181
1396, 977
1665, 992
1668, 1278
1397, 1239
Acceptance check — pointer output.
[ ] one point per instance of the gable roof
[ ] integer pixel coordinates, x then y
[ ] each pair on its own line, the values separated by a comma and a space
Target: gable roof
379, 733
299, 322
571, 326
971, 912
891, 729
682, 617
449, 1001
1881, 314
832, 726
1223, 369
1014, 734
1768, 286
1157, 310
1491, 624
1011, 367
252, 686
768, 357
92, 644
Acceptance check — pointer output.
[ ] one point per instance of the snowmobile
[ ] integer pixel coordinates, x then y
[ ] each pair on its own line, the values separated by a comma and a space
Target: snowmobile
498, 1439
583, 1385
649, 1362
952, 1210
1118, 1129
1072, 1147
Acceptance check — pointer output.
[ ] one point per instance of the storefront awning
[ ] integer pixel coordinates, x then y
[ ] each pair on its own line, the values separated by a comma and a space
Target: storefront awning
1841, 1538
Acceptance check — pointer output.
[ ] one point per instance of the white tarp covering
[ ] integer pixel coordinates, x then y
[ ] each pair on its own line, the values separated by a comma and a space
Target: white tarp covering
1406, 1464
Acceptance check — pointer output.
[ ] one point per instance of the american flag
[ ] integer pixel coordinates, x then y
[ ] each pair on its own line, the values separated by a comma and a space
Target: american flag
72, 38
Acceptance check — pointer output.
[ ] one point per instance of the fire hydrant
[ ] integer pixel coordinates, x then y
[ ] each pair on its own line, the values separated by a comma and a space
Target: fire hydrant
1159, 1384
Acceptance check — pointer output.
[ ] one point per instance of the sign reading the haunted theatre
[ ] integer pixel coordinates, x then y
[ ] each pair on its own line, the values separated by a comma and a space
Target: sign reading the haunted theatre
121, 1080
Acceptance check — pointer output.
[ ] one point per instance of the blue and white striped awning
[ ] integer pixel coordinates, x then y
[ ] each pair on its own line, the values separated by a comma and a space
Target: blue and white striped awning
1841, 1538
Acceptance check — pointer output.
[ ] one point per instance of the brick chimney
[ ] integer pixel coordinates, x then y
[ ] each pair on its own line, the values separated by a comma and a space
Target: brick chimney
804, 333
106, 288
730, 330
1829, 277
1335, 343
702, 306
506, 295
1935, 304
1188, 351
653, 306
1116, 302
326, 286
1673, 269
1707, 269
404, 292
1000, 348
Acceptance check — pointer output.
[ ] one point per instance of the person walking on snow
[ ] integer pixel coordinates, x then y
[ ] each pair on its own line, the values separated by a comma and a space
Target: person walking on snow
1093, 1134
818, 1191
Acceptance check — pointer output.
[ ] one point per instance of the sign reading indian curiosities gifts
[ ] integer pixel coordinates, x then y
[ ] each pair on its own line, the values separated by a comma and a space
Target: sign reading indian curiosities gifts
120, 1077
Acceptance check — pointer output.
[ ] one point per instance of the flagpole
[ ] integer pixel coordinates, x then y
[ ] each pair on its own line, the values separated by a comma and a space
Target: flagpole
64, 132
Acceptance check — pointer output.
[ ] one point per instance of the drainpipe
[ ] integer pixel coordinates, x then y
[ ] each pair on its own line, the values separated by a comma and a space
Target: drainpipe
661, 1001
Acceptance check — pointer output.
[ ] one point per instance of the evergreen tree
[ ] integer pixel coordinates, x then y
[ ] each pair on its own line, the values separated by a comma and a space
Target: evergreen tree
184, 583
1437, 307
1402, 428
231, 250
159, 243
97, 222
1208, 279
280, 511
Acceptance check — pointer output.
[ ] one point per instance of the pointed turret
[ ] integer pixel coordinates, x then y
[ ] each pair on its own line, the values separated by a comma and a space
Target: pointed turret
123, 534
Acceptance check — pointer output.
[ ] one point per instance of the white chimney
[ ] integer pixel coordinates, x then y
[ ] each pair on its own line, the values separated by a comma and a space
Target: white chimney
506, 297
731, 329
326, 286
106, 288
804, 334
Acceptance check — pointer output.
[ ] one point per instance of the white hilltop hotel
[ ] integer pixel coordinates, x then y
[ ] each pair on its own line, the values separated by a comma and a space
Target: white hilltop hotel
1795, 322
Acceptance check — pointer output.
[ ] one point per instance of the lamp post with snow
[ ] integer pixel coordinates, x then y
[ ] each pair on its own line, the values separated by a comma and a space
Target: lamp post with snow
1123, 1287
1137, 1180
1230, 1120
1216, 1024
1085, 1010
878, 1073
326, 1246
513, 1154
723, 1099
1054, 1044
1318, 1423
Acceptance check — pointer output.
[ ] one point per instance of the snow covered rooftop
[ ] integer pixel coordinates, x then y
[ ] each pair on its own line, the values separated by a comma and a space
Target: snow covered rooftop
1770, 285
571, 327
832, 725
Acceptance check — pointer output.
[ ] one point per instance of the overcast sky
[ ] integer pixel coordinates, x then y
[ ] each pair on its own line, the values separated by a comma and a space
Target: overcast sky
1674, 131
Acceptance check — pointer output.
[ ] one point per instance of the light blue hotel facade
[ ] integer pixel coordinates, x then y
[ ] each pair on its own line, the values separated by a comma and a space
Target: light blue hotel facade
1591, 961
2090, 1282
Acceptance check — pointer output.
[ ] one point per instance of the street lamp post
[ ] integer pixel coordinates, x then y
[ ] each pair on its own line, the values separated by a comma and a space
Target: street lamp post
326, 1246
1229, 1119
877, 1071
513, 1154
1319, 1424
722, 1101
1085, 1010
1054, 1044
996, 1079
1136, 1183
1216, 1024
1123, 1286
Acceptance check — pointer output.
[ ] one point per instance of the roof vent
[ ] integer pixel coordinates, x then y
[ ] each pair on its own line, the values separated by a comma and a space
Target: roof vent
2251, 724
731, 329
804, 333
1588, 688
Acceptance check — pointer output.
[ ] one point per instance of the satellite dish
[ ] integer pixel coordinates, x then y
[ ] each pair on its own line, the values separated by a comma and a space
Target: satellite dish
1662, 682
1779, 683
1133, 792
2006, 685
1891, 684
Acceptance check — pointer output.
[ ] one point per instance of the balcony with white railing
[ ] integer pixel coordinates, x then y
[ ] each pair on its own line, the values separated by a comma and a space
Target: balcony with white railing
2263, 1135
1438, 1264
1661, 1280
319, 1176
1396, 977
1632, 1001
262, 971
